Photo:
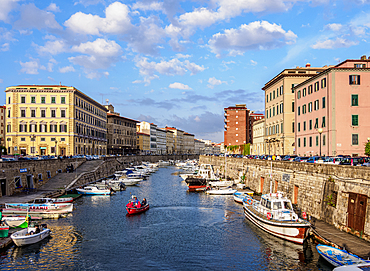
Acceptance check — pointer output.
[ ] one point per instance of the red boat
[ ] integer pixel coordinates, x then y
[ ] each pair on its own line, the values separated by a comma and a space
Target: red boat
134, 210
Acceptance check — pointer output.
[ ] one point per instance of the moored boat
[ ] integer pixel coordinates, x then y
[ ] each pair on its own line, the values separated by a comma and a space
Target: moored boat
30, 236
53, 200
339, 257
221, 191
15, 221
274, 214
94, 190
4, 231
196, 183
47, 210
240, 196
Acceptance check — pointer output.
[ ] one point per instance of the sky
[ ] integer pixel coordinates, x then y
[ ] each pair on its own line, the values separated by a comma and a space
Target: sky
175, 63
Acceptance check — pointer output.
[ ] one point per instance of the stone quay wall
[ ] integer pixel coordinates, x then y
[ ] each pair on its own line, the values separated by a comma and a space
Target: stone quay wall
325, 192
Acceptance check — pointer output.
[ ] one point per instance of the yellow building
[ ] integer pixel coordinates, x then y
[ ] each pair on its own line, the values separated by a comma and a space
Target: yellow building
54, 120
143, 142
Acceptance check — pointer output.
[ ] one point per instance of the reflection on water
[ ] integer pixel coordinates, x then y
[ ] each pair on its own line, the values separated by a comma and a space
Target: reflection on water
180, 231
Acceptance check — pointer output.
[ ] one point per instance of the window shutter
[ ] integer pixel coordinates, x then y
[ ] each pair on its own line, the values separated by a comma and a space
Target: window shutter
25, 128
65, 128
35, 128
60, 127
358, 79
20, 127
51, 127
30, 128
40, 128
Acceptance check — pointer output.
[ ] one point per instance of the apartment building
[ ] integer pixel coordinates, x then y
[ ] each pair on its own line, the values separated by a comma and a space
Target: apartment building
189, 144
143, 142
170, 141
332, 110
54, 120
2, 125
161, 140
258, 147
151, 130
279, 108
237, 125
178, 140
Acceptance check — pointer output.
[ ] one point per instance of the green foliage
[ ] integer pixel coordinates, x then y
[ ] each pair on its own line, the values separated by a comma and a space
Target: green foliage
244, 149
331, 179
330, 200
367, 148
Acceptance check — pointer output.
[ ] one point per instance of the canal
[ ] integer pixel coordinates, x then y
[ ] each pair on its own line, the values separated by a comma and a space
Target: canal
181, 231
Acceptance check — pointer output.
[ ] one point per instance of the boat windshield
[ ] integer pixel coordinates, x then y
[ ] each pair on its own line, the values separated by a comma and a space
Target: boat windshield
276, 205
268, 204
287, 205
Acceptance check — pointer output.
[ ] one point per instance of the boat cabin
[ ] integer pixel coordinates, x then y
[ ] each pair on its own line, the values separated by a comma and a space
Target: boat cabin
277, 207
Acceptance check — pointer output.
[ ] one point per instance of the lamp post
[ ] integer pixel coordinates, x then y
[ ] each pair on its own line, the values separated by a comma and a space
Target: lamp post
56, 145
269, 141
320, 132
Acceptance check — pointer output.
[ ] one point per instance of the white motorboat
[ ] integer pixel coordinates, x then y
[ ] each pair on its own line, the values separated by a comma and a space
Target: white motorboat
29, 236
46, 210
15, 221
221, 183
274, 214
53, 200
339, 257
221, 191
240, 196
128, 181
94, 190
116, 185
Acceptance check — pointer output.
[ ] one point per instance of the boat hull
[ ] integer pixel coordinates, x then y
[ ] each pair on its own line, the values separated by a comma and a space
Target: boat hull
104, 192
292, 231
221, 191
21, 239
15, 222
338, 257
134, 211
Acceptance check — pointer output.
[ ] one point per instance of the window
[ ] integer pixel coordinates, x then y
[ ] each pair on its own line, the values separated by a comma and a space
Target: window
354, 100
43, 113
33, 149
354, 139
299, 142
53, 128
354, 79
42, 138
281, 108
299, 110
33, 99
23, 100
323, 83
33, 113
304, 126
42, 100
299, 126
277, 128
310, 141
317, 140
304, 92
310, 107
282, 130
323, 122
323, 102
273, 111
53, 113
293, 85
63, 100
317, 86
298, 94
323, 140
309, 89
277, 92
8, 100
310, 126
316, 123
53, 100
23, 139
43, 128
354, 120
304, 142
23, 113
62, 128
277, 110
316, 105
33, 128
292, 106
270, 96
292, 127
49, 174
273, 94
18, 182
360, 65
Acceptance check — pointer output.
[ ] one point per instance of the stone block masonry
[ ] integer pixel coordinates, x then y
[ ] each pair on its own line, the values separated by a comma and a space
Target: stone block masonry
335, 194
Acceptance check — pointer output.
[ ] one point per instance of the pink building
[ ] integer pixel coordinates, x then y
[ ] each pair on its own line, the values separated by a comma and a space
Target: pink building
332, 110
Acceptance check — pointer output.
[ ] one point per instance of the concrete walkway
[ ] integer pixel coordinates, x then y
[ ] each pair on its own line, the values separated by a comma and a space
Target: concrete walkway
342, 239
58, 182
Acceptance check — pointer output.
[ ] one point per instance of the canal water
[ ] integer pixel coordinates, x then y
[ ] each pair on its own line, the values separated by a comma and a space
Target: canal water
180, 231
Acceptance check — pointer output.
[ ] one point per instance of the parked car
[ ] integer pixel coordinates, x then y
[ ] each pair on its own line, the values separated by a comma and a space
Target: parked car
300, 159
315, 159
289, 157
352, 161
333, 160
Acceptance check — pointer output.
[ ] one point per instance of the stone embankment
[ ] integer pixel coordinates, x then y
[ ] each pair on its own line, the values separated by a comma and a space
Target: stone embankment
337, 195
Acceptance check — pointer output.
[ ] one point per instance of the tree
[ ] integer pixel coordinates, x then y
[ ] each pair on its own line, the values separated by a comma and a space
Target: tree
367, 148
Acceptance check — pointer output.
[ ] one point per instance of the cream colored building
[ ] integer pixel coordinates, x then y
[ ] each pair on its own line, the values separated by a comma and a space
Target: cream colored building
143, 142
279, 108
54, 120
189, 144
161, 138
170, 141
199, 146
258, 147
178, 140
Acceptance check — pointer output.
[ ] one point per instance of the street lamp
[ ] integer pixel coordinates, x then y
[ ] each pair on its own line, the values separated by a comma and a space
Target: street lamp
55, 151
320, 132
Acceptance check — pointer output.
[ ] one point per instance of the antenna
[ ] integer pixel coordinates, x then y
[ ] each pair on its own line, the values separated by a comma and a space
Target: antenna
107, 101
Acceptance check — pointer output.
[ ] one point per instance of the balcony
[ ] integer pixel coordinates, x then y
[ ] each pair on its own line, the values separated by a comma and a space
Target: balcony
225, 126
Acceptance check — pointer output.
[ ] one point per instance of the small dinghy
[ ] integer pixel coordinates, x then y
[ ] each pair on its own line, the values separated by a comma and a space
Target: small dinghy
134, 206
339, 257
240, 196
30, 235
223, 191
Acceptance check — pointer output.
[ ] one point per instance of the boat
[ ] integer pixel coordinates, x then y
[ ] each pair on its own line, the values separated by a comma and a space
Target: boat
132, 210
274, 214
221, 191
339, 257
29, 236
4, 231
219, 183
46, 210
240, 196
15, 221
129, 181
199, 181
110, 183
53, 200
93, 190
354, 267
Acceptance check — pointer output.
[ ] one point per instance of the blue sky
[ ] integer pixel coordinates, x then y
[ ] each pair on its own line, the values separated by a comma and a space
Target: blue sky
175, 63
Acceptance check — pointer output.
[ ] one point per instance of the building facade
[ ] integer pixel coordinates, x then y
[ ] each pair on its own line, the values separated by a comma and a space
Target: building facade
258, 147
121, 133
2, 125
279, 108
189, 144
143, 143
237, 125
199, 147
161, 135
332, 110
170, 141
54, 120
178, 136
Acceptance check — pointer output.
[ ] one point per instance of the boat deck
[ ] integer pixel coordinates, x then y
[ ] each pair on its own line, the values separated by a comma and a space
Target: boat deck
333, 236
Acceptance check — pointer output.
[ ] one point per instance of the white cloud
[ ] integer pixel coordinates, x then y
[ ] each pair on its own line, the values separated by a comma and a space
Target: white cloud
253, 63
172, 67
215, 82
116, 21
182, 56
333, 44
33, 17
179, 86
156, 6
6, 7
1, 81
66, 69
52, 47
99, 54
53, 7
259, 35
334, 27
4, 47
30, 67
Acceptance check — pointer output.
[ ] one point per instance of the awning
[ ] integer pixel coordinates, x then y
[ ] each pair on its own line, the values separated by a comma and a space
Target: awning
42, 148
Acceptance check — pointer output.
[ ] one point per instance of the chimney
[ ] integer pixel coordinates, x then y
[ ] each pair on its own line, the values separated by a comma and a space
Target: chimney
308, 65
363, 57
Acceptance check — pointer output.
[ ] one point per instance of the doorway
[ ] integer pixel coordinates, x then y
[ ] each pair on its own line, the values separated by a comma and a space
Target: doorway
276, 186
356, 211
261, 186
3, 187
30, 181
295, 194
42, 151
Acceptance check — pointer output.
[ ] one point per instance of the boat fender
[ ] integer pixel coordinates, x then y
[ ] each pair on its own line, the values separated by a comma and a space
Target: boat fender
249, 201
304, 215
269, 216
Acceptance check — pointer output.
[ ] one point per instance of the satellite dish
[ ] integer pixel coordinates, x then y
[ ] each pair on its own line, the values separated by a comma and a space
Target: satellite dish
107, 101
